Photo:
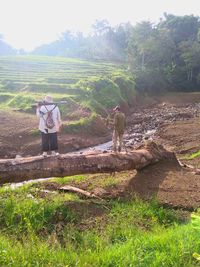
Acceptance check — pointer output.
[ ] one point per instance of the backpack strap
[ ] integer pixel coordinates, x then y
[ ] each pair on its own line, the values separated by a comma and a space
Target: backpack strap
51, 109
42, 113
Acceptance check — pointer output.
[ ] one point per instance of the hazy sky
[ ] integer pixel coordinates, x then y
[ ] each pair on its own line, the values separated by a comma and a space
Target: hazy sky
30, 23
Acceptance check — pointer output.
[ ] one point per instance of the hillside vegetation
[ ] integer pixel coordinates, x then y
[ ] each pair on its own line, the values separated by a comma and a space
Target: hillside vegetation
88, 87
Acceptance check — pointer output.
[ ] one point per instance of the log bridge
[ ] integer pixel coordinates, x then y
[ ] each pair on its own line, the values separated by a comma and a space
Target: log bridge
30, 168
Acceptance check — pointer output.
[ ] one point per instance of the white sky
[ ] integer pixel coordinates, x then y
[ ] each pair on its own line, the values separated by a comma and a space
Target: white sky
30, 23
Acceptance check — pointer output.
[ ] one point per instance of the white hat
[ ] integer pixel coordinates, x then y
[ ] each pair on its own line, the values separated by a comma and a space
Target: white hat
48, 99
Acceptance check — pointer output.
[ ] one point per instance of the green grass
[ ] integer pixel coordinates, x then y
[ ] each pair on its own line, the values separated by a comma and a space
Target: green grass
93, 180
85, 125
192, 156
68, 179
62, 230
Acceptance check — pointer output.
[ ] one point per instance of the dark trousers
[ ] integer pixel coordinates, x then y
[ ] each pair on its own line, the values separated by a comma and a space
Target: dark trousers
49, 142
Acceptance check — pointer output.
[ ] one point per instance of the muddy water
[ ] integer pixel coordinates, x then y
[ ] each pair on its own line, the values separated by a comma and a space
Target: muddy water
129, 141
143, 124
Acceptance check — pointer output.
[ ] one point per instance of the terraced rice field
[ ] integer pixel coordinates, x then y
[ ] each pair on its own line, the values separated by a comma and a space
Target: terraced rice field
25, 79
17, 72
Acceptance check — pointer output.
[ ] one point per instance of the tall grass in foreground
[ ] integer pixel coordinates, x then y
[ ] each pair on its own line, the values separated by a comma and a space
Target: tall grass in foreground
59, 230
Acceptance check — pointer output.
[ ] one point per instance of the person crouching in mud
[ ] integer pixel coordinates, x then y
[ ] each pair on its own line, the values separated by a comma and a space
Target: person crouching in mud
49, 125
119, 128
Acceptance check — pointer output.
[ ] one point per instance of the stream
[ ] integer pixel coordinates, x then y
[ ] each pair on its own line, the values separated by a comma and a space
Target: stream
143, 124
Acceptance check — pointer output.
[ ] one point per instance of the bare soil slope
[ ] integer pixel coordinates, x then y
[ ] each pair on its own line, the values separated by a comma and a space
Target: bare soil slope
19, 136
171, 184
182, 137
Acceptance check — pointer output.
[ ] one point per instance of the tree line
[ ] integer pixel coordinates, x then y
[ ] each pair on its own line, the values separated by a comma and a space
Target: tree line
162, 56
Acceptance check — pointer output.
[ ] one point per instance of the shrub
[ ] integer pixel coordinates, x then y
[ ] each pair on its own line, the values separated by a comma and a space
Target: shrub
103, 90
93, 125
127, 87
22, 102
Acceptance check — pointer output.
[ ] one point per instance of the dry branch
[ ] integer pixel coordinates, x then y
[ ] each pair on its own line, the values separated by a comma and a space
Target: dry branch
79, 191
22, 169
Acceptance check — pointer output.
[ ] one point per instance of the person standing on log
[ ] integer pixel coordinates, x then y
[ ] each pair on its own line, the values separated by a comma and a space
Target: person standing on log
119, 128
49, 125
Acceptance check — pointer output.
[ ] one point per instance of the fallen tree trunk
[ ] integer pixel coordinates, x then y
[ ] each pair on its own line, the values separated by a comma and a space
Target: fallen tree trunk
22, 169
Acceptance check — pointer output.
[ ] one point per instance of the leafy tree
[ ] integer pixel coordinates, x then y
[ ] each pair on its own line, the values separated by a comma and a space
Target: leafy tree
100, 27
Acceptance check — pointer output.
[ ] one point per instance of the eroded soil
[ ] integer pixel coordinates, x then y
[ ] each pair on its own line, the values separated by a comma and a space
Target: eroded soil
19, 136
177, 127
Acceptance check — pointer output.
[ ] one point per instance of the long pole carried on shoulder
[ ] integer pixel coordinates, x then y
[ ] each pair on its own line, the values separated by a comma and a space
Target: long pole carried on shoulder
43, 103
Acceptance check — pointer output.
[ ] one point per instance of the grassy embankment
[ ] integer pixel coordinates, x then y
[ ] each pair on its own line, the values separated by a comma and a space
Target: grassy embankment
90, 88
61, 229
